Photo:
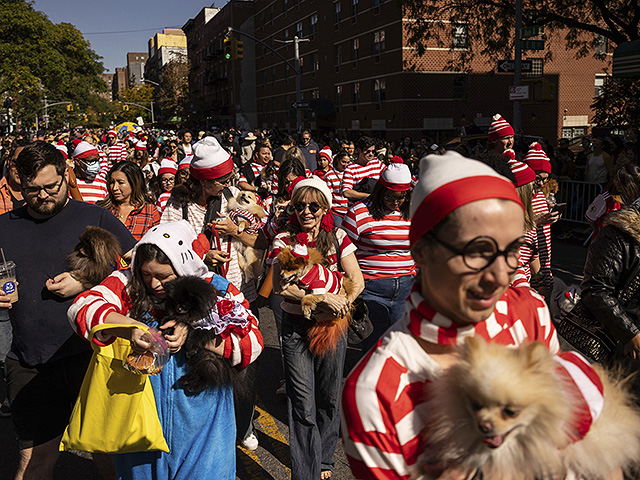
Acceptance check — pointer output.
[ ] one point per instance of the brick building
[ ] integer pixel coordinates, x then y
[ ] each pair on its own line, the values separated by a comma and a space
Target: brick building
222, 92
135, 67
108, 79
119, 81
360, 75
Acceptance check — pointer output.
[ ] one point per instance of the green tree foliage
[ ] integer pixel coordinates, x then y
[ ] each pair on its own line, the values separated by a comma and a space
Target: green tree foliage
174, 88
140, 94
39, 58
617, 104
490, 24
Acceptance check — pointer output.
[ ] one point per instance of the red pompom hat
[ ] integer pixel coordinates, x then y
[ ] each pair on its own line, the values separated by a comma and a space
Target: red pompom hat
499, 128
522, 172
446, 183
537, 159
396, 176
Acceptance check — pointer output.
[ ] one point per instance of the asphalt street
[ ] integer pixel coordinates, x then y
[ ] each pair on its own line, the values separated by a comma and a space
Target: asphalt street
271, 460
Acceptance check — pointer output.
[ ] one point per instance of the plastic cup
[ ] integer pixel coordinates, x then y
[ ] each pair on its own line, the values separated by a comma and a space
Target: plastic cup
8, 280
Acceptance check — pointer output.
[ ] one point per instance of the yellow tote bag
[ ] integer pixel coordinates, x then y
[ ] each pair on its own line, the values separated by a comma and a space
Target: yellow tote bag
116, 409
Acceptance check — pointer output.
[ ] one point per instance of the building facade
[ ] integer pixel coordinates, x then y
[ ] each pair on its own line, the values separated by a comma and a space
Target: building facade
108, 79
165, 47
136, 62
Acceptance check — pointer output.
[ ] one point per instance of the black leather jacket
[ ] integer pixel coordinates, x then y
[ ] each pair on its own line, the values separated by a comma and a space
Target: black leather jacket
613, 262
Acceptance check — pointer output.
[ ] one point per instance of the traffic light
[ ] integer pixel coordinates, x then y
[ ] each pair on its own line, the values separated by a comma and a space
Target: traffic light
228, 48
70, 108
239, 49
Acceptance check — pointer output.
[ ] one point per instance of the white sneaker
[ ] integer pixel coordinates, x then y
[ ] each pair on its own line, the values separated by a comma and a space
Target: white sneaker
250, 443
282, 388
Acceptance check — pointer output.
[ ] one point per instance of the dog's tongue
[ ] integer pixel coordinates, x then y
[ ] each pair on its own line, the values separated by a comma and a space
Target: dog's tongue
493, 442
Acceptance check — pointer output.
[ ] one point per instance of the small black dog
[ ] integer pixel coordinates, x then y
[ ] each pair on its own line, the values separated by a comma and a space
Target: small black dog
188, 300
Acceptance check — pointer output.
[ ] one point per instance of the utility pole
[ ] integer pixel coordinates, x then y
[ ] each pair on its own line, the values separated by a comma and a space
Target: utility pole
517, 77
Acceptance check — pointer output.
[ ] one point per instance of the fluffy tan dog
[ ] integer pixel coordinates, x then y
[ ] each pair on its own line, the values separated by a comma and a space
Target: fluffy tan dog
323, 336
512, 413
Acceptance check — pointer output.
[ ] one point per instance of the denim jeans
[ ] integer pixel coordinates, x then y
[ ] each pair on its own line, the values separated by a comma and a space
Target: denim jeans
385, 298
313, 400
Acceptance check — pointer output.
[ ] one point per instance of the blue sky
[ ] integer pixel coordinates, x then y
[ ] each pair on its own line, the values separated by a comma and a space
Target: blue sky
93, 16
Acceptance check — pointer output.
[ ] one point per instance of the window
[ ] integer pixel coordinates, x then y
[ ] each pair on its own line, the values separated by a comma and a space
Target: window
354, 7
337, 55
355, 48
336, 12
459, 36
376, 3
601, 80
315, 94
299, 29
314, 23
377, 42
315, 63
378, 88
338, 95
356, 93
285, 5
273, 75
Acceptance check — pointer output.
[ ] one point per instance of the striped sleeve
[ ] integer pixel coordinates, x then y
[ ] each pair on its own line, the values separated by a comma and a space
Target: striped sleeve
91, 307
243, 350
543, 241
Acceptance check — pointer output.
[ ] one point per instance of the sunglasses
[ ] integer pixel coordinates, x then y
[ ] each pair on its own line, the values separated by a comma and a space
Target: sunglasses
313, 207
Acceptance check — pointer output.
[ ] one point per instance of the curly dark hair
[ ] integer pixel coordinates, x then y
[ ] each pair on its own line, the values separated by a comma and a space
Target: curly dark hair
377, 208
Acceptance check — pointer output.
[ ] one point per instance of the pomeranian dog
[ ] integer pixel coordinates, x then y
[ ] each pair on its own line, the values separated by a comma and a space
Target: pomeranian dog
95, 256
322, 336
190, 299
515, 413
246, 212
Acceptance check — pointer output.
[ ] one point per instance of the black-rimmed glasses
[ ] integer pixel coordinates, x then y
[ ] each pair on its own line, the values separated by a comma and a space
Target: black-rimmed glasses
51, 189
482, 251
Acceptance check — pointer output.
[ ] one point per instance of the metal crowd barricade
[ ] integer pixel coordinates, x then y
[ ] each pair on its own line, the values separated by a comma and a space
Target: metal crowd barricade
578, 196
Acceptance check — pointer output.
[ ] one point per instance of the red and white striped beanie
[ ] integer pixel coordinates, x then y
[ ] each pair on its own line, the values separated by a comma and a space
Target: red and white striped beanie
499, 128
396, 176
210, 160
185, 162
84, 150
300, 249
63, 149
112, 132
523, 173
167, 166
537, 159
141, 145
326, 153
448, 182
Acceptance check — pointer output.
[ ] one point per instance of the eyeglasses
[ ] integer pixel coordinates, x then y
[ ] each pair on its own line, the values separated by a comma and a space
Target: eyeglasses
313, 207
482, 251
542, 180
393, 199
222, 183
51, 189
168, 180
370, 152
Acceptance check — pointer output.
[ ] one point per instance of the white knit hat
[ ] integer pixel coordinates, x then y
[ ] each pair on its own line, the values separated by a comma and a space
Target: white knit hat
179, 242
326, 153
396, 176
167, 166
210, 160
112, 132
84, 150
185, 162
318, 184
141, 145
300, 249
499, 128
448, 182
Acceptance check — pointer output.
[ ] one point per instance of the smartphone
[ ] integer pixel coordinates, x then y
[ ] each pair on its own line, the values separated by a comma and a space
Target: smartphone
559, 207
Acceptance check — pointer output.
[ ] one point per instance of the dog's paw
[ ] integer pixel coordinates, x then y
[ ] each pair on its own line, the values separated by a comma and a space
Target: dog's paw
307, 311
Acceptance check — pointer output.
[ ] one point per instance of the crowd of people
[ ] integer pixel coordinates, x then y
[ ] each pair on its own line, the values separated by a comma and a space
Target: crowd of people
439, 245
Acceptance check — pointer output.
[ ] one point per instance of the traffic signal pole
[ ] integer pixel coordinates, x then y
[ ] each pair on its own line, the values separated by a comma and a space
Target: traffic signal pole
517, 77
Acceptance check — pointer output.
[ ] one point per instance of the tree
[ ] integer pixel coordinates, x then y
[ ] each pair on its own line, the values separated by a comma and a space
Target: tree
617, 105
39, 58
140, 94
174, 88
489, 24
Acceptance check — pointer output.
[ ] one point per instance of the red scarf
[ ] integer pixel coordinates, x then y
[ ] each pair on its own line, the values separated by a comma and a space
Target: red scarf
429, 325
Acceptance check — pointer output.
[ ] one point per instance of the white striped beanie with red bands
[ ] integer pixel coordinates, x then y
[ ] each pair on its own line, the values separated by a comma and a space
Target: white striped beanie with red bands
523, 173
141, 145
326, 153
63, 149
499, 128
210, 160
396, 176
167, 166
84, 150
113, 133
537, 159
446, 183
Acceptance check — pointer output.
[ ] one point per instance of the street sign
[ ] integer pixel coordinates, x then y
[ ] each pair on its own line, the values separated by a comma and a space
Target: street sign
533, 44
300, 105
505, 66
519, 93
533, 31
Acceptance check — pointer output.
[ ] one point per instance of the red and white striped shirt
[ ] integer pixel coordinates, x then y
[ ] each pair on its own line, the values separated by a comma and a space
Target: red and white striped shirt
522, 278
355, 173
93, 192
281, 241
383, 400
320, 280
162, 200
382, 245
339, 203
91, 308
256, 169
543, 240
117, 153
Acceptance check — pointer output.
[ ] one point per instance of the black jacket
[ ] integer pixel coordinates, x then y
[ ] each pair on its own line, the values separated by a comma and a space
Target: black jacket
613, 262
